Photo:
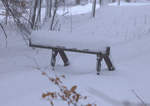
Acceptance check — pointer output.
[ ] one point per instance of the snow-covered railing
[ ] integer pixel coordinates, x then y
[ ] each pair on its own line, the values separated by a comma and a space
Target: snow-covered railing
60, 42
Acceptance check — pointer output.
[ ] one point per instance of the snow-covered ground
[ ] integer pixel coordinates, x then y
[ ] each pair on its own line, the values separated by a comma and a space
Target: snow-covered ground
127, 31
75, 10
138, 3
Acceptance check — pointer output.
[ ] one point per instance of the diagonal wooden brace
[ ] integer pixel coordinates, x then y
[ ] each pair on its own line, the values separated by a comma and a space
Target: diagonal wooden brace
64, 57
107, 60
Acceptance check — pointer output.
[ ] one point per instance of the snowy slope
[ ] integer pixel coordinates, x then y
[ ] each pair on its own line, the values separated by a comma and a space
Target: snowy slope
126, 29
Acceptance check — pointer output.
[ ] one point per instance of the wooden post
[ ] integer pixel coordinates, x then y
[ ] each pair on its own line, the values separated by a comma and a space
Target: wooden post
53, 58
98, 65
108, 51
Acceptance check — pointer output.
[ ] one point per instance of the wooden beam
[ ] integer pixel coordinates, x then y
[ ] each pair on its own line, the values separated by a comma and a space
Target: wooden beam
67, 49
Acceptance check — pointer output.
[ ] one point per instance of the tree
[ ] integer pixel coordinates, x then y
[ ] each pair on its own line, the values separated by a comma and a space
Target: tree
118, 2
113, 0
48, 13
77, 1
13, 9
94, 8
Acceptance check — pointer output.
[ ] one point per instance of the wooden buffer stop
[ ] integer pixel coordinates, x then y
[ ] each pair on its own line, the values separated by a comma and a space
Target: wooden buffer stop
61, 45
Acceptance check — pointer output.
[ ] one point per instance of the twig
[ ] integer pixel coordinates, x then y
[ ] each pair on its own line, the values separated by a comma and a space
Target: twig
3, 30
138, 97
17, 21
4, 33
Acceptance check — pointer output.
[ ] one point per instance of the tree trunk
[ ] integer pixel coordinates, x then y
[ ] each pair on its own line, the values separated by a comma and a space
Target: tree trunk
38, 17
77, 1
113, 1
54, 14
118, 2
100, 2
94, 8
34, 14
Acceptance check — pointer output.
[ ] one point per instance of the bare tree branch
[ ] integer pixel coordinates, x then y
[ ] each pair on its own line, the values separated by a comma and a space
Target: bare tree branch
138, 97
17, 19
3, 30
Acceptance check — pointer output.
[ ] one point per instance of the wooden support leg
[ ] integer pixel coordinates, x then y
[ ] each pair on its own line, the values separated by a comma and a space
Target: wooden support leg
107, 60
64, 57
53, 58
98, 65
108, 51
109, 63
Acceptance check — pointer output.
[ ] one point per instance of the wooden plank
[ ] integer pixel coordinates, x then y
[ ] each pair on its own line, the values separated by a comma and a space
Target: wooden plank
67, 49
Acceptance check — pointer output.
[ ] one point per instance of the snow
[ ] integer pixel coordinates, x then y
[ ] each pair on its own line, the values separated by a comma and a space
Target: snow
125, 28
122, 3
68, 41
75, 10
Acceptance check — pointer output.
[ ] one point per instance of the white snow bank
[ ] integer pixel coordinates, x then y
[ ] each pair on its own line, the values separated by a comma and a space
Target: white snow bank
122, 3
68, 40
111, 26
75, 10
118, 24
